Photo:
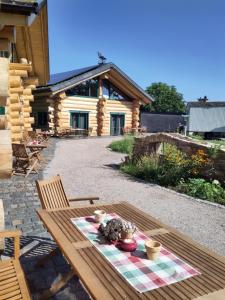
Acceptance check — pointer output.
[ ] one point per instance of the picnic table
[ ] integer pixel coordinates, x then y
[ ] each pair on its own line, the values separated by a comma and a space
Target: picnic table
102, 280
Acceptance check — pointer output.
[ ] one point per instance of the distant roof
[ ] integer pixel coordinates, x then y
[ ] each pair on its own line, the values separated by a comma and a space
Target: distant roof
65, 80
23, 7
206, 104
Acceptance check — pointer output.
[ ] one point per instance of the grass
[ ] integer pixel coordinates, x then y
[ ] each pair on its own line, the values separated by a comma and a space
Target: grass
123, 146
201, 139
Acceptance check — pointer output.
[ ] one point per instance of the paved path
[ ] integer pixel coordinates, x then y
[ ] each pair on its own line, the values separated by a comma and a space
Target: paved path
88, 168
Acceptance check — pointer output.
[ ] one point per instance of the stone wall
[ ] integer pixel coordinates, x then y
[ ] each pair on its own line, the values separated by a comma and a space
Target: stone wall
151, 144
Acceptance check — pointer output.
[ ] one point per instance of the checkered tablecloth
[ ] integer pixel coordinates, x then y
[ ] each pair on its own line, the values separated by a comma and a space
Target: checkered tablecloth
143, 274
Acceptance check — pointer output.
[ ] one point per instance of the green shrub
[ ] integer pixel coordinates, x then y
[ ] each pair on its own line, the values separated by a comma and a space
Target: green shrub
200, 188
124, 146
169, 169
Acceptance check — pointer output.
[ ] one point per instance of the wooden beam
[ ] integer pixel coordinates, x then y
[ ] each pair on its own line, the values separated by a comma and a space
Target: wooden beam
13, 19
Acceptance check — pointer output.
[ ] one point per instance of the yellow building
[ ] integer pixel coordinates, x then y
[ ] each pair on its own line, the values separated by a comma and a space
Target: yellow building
24, 63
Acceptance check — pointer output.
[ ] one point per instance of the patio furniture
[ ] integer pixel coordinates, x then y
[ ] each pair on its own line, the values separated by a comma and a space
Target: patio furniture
25, 162
103, 281
43, 135
12, 280
52, 196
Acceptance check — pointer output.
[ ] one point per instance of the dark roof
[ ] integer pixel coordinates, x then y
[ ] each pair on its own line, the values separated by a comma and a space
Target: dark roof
23, 7
62, 81
59, 77
206, 104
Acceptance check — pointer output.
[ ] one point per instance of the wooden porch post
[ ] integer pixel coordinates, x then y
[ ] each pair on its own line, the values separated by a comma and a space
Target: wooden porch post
135, 114
101, 109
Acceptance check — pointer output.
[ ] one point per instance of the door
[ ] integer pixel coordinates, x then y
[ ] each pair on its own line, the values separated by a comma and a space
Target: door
117, 124
79, 120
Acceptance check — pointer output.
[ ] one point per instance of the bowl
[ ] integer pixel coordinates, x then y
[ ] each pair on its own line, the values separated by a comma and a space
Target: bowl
128, 245
99, 215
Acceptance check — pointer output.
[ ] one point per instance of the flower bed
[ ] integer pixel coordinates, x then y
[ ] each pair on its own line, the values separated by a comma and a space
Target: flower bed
178, 171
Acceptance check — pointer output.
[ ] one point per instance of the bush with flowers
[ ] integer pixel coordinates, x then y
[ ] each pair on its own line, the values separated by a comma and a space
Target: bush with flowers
175, 169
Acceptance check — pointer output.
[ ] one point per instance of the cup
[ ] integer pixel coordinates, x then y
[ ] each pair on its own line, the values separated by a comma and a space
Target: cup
99, 215
152, 248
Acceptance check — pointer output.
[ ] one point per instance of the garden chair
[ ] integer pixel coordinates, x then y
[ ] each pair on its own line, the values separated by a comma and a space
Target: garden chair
25, 162
12, 280
41, 135
52, 196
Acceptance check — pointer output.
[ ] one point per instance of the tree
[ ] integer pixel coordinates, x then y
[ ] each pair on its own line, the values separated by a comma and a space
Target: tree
167, 99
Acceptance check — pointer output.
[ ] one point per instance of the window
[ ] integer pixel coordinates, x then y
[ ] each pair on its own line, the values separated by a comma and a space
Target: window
4, 53
88, 88
111, 92
2, 110
79, 120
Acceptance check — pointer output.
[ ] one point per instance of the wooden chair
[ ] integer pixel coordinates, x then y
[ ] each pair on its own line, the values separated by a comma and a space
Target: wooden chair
25, 162
12, 280
38, 130
52, 194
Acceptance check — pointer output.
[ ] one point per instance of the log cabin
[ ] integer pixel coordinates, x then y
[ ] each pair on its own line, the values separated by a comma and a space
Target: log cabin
24, 63
101, 99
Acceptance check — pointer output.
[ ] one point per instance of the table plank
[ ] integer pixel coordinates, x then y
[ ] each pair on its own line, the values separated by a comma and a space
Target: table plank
97, 274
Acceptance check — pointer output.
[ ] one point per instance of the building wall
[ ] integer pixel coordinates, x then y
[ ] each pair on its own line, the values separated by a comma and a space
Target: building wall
73, 104
61, 107
206, 119
114, 106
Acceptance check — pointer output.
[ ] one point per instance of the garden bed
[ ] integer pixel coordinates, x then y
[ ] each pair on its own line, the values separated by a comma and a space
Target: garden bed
174, 169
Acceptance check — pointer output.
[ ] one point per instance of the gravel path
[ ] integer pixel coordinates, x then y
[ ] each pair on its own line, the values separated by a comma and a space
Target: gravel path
88, 168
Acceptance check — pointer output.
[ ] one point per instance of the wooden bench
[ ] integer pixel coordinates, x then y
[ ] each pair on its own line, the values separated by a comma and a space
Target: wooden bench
12, 280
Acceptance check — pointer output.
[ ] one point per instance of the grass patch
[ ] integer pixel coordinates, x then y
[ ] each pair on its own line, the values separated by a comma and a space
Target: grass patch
123, 146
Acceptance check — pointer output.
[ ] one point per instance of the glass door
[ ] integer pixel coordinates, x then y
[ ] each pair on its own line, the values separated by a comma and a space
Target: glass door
117, 124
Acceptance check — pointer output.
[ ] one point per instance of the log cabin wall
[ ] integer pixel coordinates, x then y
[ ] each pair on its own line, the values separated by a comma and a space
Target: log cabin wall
116, 106
99, 112
18, 106
76, 104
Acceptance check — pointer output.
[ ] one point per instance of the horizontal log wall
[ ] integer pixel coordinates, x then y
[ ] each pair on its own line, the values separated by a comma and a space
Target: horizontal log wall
18, 106
69, 104
115, 106
60, 107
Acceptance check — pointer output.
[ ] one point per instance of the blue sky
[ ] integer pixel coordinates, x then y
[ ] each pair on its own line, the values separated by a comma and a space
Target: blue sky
179, 42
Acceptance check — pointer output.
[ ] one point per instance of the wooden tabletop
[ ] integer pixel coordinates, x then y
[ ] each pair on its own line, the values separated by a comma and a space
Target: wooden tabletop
100, 278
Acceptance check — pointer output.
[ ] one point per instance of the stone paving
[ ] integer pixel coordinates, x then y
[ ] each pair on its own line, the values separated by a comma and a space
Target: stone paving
92, 169
20, 201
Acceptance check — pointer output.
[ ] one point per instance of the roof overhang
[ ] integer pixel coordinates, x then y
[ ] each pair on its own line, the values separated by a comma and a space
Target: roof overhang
114, 74
30, 20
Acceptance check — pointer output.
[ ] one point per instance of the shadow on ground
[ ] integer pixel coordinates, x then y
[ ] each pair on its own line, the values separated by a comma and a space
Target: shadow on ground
40, 278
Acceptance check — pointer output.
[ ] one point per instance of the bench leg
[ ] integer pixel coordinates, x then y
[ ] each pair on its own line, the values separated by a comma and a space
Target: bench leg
57, 286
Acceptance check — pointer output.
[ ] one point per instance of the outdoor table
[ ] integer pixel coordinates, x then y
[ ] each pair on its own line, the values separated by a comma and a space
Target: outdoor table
102, 281
36, 147
78, 131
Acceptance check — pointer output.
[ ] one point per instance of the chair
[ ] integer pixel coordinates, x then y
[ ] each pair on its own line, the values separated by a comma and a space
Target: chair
25, 162
12, 280
38, 130
52, 194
